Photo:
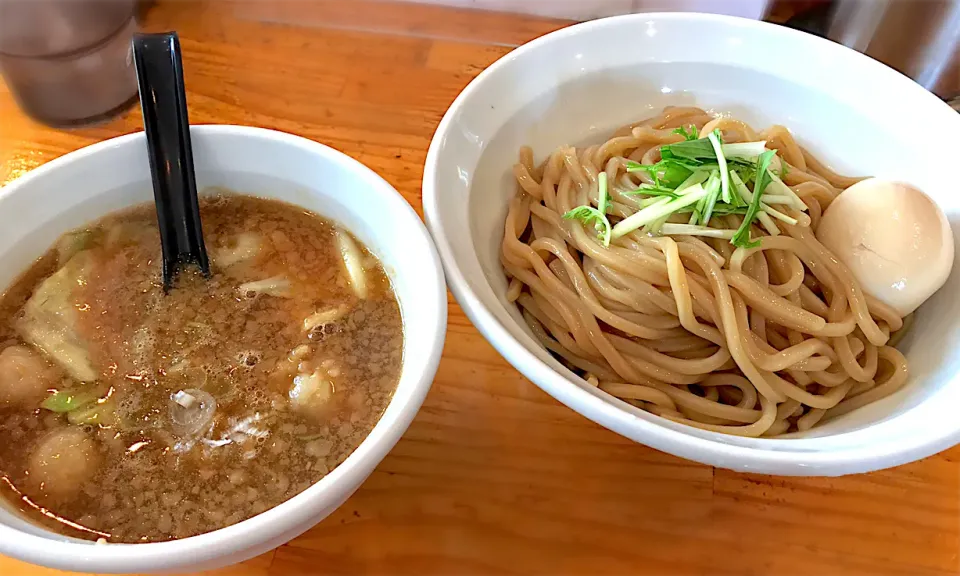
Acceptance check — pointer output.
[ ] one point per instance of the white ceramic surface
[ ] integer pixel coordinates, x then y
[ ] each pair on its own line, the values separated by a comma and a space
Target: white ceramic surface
576, 85
79, 187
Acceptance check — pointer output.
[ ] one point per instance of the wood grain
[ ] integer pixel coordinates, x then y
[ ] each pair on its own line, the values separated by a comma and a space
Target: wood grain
494, 476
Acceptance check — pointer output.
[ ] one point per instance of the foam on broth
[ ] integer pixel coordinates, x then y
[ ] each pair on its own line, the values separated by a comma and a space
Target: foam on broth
142, 462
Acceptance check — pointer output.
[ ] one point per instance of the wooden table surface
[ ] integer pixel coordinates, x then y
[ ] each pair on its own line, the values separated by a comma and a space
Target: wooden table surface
494, 476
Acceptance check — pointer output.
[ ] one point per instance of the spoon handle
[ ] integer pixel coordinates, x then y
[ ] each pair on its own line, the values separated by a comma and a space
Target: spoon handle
164, 103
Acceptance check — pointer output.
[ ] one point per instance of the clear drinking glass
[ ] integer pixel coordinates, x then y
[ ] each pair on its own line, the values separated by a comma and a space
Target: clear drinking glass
68, 62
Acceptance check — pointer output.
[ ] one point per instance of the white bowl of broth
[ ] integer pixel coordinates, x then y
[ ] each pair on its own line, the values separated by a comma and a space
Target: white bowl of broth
145, 431
633, 333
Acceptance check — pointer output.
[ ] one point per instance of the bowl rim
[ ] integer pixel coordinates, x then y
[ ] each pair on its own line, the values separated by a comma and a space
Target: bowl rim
277, 522
773, 456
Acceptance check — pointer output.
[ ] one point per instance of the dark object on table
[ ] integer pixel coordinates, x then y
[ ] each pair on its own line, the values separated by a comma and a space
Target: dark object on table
920, 39
143, 6
814, 20
164, 103
67, 62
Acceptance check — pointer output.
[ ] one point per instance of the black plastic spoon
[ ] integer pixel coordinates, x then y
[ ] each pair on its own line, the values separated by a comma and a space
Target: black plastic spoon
164, 103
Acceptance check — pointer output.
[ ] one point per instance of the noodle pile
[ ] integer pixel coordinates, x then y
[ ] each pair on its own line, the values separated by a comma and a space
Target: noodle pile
748, 341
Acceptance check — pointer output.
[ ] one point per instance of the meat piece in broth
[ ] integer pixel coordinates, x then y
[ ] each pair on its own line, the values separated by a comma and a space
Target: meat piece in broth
25, 377
49, 319
62, 461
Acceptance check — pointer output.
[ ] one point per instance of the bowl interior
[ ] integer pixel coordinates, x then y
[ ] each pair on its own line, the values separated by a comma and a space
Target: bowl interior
79, 188
578, 85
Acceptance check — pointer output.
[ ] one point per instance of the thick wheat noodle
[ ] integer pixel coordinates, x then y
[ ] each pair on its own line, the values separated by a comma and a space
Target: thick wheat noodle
818, 168
718, 360
576, 361
818, 261
707, 407
573, 339
726, 124
767, 419
557, 229
682, 294
752, 342
800, 356
810, 419
789, 268
886, 313
835, 376
689, 413
514, 290
724, 381
797, 177
552, 170
897, 336
686, 342
848, 360
787, 409
527, 181
710, 393
554, 312
569, 318
686, 115
637, 392
894, 382
633, 263
693, 240
767, 383
636, 300
788, 149
772, 306
660, 299
542, 228
779, 427
860, 388
812, 302
855, 296
815, 191
551, 322
587, 297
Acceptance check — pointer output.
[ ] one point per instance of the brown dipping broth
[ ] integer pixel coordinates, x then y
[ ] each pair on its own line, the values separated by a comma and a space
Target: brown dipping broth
142, 466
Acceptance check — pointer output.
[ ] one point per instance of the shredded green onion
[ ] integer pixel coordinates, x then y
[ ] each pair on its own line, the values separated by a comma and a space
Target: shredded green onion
714, 138
703, 177
656, 211
783, 189
596, 216
698, 177
691, 135
745, 150
763, 177
602, 192
66, 400
779, 215
688, 230
651, 190
769, 225
713, 187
